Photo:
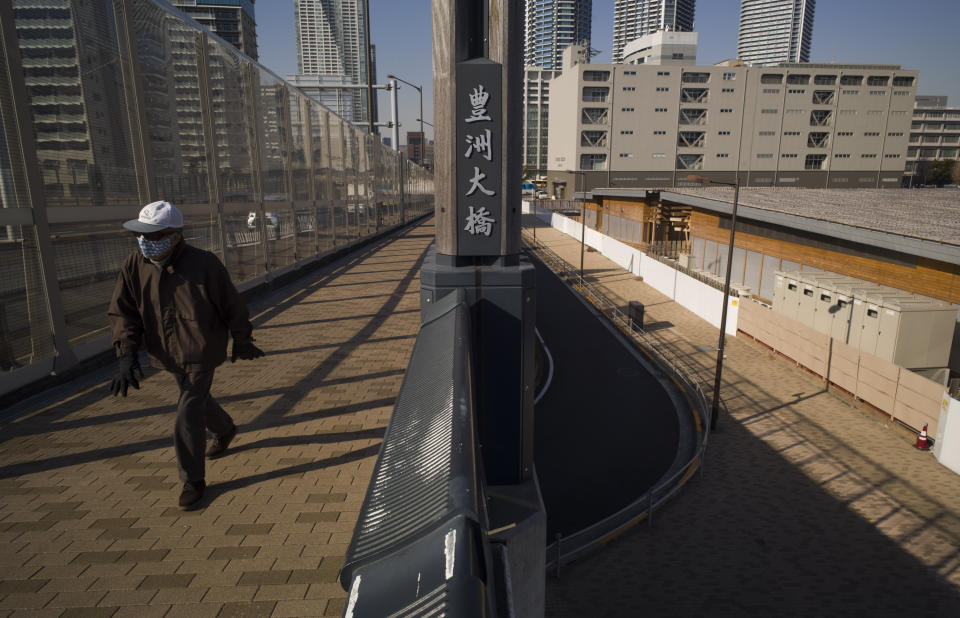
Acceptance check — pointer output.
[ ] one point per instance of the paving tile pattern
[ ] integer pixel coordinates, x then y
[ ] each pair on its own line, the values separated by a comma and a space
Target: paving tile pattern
89, 524
809, 503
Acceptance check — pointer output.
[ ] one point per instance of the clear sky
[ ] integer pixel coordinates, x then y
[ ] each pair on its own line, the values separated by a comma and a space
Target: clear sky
920, 34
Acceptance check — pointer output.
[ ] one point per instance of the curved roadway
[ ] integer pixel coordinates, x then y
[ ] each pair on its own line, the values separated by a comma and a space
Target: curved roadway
606, 430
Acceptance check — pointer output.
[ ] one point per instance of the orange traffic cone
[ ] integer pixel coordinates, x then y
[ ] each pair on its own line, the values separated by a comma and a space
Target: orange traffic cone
923, 443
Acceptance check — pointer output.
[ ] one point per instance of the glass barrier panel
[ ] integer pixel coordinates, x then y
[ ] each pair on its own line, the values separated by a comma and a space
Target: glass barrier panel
320, 132
25, 335
13, 186
273, 110
168, 54
281, 236
243, 238
88, 257
299, 148
325, 237
306, 226
72, 70
231, 114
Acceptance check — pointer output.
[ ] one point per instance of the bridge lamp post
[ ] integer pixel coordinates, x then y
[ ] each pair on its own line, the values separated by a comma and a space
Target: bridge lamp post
702, 180
423, 138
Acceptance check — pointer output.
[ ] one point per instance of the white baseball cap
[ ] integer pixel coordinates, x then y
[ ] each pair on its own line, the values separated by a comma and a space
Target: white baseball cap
156, 216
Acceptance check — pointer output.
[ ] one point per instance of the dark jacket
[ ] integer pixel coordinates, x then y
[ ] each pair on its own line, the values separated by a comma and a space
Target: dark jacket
182, 313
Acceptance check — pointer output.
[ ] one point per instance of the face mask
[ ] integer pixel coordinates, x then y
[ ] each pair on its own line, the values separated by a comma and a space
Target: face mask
153, 249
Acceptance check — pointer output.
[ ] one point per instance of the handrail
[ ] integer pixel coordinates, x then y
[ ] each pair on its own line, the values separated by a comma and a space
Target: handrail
420, 544
688, 379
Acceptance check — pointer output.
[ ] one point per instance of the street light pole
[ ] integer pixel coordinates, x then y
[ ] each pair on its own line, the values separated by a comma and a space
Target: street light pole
366, 42
423, 138
715, 406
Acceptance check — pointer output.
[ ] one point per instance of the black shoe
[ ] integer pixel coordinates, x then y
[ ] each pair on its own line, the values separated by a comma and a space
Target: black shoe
191, 495
220, 443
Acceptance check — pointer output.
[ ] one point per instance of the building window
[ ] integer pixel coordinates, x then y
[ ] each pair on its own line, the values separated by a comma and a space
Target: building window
726, 110
690, 162
798, 78
851, 80
663, 89
626, 155
627, 109
767, 133
788, 155
796, 90
769, 110
851, 92
823, 97
594, 161
877, 93
663, 73
726, 90
844, 133
814, 161
696, 78
895, 134
878, 80
627, 132
868, 156
841, 156
729, 77
659, 132
629, 88
722, 155
871, 134
677, 56
791, 133
771, 91
658, 155
891, 156
771, 78
901, 93
902, 81
825, 80
660, 109
897, 112
723, 132
629, 72
596, 76
764, 156
818, 140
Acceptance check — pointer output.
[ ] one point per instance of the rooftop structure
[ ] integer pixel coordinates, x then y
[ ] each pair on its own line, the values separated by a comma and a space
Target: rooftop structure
635, 18
665, 47
934, 136
232, 20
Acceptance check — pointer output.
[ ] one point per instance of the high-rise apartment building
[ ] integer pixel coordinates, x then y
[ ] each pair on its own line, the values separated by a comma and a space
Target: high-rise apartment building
231, 20
331, 43
789, 125
551, 26
634, 18
774, 31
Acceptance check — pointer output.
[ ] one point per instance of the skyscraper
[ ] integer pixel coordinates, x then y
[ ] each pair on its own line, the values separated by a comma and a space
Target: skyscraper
231, 20
331, 43
552, 25
634, 18
774, 31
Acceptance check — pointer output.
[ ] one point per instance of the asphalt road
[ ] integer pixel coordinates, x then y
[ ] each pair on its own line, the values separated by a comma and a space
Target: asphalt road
606, 430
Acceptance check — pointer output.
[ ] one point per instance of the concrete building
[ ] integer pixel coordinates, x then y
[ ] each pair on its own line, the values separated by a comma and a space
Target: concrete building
551, 26
793, 125
934, 136
232, 20
665, 47
774, 31
536, 117
331, 44
415, 145
633, 19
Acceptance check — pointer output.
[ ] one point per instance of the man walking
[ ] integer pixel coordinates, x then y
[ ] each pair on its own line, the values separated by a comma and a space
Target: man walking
179, 302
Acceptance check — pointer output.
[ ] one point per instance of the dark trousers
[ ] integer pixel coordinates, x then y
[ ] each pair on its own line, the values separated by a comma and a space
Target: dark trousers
197, 411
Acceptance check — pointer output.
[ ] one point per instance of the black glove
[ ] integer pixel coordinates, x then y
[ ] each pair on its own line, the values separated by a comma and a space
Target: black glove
245, 350
128, 374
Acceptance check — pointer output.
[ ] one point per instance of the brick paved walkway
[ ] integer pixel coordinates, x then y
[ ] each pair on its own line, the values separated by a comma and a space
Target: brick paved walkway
88, 484
808, 504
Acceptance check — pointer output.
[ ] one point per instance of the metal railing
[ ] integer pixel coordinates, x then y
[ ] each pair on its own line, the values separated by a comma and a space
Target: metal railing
671, 362
420, 546
267, 178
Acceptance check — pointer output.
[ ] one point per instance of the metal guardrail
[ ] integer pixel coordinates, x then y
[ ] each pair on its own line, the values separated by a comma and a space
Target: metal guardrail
420, 545
687, 379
